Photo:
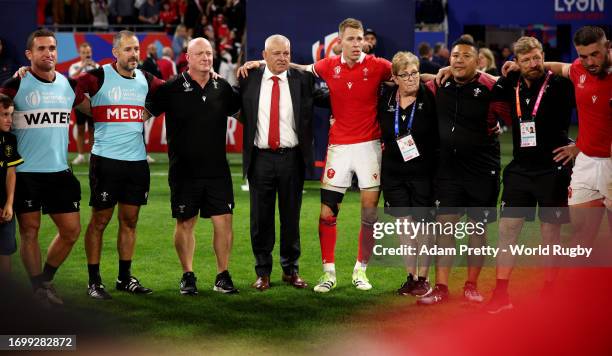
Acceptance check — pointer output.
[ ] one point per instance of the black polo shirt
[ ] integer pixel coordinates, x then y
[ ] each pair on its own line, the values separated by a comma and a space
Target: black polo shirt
467, 115
9, 157
551, 122
196, 125
424, 131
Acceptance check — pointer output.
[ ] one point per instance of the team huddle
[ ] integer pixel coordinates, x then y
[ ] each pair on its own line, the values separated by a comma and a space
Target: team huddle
430, 144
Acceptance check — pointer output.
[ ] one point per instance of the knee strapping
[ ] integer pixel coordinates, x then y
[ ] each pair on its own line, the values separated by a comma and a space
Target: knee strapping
332, 199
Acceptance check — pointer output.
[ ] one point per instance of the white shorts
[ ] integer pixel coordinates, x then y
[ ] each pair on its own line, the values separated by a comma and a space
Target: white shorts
591, 179
362, 159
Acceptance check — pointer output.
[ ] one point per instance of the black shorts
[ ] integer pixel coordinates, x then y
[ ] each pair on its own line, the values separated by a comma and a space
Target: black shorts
524, 189
208, 196
114, 181
475, 197
408, 197
81, 119
55, 193
8, 243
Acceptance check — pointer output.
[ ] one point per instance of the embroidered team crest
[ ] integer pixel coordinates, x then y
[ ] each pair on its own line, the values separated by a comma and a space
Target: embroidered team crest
446, 84
365, 73
331, 173
104, 196
337, 71
594, 97
375, 175
420, 106
527, 101
8, 151
582, 80
215, 84
349, 85
187, 86
477, 91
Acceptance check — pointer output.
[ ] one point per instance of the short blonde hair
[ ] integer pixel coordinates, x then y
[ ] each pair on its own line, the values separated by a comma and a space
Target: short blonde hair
350, 22
526, 44
401, 60
488, 54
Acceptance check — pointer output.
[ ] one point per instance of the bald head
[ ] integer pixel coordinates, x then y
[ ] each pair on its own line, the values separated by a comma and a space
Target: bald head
277, 53
198, 44
199, 56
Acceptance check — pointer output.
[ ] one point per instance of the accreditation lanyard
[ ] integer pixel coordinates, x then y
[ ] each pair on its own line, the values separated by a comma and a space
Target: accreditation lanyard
397, 109
405, 143
536, 106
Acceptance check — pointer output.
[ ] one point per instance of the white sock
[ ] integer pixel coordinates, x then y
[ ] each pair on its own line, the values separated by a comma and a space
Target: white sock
360, 266
330, 268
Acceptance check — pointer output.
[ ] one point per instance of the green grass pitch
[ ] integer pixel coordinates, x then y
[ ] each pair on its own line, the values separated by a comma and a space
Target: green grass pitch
281, 319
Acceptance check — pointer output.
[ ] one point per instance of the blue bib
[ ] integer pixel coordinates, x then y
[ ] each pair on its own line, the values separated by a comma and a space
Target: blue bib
40, 121
117, 111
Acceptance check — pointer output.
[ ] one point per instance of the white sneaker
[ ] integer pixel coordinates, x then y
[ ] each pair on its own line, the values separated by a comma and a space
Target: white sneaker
360, 280
326, 283
150, 159
79, 159
471, 293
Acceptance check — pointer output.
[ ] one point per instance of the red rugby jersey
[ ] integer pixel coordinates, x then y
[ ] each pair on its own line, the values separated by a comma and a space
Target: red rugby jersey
593, 101
354, 96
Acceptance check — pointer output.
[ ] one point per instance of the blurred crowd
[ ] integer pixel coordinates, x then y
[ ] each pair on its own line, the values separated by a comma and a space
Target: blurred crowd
220, 21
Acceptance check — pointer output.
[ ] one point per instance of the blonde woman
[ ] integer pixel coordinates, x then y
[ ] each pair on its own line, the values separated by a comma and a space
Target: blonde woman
409, 127
486, 62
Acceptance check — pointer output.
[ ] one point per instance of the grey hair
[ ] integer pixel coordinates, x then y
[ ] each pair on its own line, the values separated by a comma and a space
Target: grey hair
120, 35
275, 38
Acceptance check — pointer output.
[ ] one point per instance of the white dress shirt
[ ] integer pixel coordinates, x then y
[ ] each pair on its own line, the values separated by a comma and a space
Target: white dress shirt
288, 134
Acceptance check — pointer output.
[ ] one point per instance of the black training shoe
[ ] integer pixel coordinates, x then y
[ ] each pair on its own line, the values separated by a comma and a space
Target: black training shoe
132, 285
188, 284
499, 302
46, 296
224, 284
407, 287
421, 288
51, 294
438, 294
97, 291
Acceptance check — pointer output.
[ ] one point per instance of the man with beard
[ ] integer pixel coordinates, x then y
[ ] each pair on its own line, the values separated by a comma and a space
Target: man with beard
541, 103
591, 75
43, 101
467, 179
118, 171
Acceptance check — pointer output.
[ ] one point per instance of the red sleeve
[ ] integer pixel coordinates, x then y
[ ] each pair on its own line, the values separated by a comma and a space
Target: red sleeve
431, 85
575, 71
321, 68
385, 71
498, 109
10, 87
153, 82
90, 82
78, 92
